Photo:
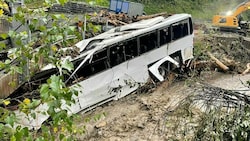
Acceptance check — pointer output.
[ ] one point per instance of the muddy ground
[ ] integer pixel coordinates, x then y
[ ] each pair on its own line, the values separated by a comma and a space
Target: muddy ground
139, 117
145, 116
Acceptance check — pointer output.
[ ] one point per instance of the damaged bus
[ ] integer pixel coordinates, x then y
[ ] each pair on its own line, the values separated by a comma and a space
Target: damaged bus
115, 63
120, 60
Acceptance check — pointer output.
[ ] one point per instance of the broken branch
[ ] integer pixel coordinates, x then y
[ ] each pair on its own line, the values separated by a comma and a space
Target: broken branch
247, 70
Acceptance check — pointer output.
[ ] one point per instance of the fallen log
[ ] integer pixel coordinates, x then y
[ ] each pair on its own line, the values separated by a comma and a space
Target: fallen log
218, 62
113, 22
138, 18
228, 61
247, 70
120, 22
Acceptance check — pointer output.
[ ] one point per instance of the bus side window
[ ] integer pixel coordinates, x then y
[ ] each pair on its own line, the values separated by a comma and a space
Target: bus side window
99, 61
148, 42
185, 29
180, 30
190, 26
165, 36
85, 71
131, 49
116, 55
177, 32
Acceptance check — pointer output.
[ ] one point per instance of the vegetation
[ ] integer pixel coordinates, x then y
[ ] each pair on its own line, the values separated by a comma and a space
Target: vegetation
200, 9
54, 93
219, 125
210, 114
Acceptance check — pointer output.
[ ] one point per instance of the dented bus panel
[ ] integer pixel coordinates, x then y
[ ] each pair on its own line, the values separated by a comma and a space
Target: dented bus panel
115, 63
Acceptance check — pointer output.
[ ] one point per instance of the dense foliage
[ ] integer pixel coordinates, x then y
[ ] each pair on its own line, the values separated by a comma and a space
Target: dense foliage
37, 42
202, 9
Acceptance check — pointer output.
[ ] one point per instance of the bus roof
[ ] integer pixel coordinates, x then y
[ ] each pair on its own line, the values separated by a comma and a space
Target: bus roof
125, 32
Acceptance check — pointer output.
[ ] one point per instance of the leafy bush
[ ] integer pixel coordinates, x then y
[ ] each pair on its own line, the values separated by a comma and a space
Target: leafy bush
54, 92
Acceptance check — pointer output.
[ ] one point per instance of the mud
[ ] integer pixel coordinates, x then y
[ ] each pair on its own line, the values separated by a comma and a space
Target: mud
146, 116
137, 116
152, 116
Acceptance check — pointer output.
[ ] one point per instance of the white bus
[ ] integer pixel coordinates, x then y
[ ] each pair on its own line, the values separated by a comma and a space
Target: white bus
117, 62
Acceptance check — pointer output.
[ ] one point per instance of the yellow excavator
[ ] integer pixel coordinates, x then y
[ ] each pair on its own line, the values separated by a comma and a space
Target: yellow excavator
232, 20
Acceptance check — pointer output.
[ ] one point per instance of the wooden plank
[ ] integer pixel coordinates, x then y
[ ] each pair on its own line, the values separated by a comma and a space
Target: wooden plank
8, 83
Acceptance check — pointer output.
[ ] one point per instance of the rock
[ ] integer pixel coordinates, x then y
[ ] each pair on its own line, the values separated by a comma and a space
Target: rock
114, 139
141, 125
101, 124
100, 133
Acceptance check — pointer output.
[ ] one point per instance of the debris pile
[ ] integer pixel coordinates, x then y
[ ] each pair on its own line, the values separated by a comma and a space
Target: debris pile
75, 8
211, 96
118, 19
204, 104
227, 53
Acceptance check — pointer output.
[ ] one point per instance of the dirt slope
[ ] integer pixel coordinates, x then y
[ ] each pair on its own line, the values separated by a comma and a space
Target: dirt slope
139, 117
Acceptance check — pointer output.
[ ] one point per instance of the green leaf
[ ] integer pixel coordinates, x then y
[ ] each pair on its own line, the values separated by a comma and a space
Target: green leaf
35, 21
51, 110
62, 2
4, 35
19, 70
56, 16
40, 139
24, 35
72, 28
32, 27
10, 120
7, 62
34, 103
19, 135
96, 29
55, 83
44, 92
33, 115
11, 33
67, 65
61, 136
13, 138
2, 45
42, 28
18, 42
63, 16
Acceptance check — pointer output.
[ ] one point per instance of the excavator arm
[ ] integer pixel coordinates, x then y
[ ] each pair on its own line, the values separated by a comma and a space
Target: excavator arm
241, 8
